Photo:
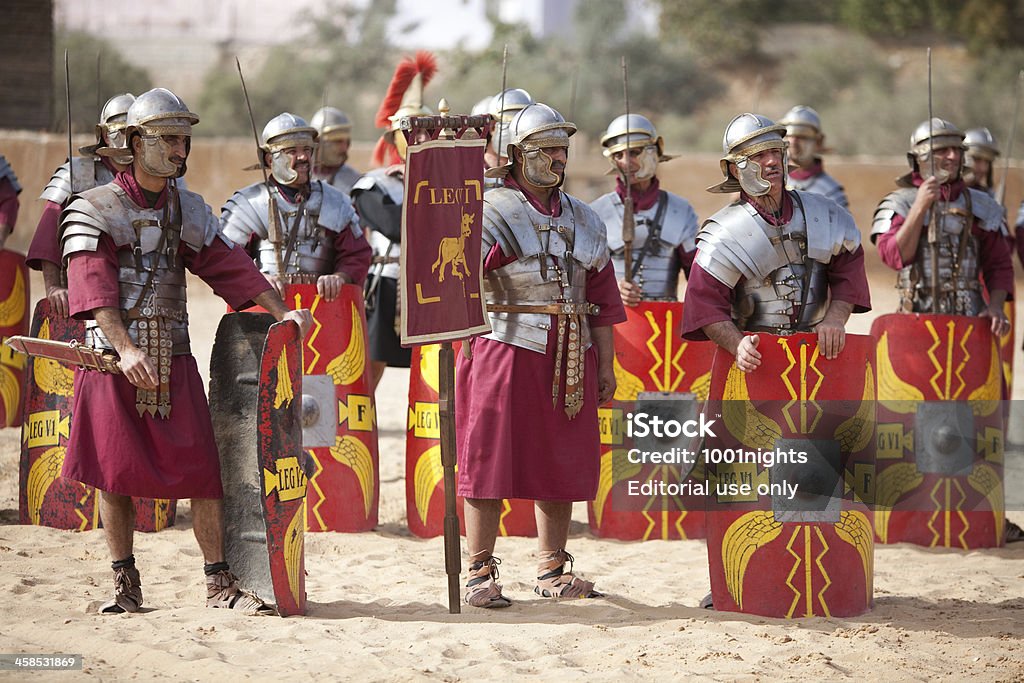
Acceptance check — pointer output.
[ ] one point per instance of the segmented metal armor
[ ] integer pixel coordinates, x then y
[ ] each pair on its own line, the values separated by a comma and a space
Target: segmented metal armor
784, 269
821, 183
83, 173
548, 278
151, 276
7, 172
958, 251
385, 252
660, 230
307, 228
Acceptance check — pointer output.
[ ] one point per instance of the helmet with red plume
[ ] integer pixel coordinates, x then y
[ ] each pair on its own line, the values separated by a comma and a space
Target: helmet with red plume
404, 98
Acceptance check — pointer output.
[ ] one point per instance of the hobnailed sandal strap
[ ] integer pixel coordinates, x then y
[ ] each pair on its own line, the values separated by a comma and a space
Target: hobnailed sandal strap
127, 592
556, 582
482, 588
222, 591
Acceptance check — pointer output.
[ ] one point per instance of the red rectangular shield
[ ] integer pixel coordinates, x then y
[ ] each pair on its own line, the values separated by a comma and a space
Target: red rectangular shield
442, 222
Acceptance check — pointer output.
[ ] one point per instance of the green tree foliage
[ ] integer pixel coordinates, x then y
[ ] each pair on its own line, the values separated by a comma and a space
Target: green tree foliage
981, 24
721, 31
116, 75
345, 59
581, 74
347, 51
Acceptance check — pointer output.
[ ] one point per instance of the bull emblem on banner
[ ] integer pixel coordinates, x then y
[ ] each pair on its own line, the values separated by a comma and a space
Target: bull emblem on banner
452, 250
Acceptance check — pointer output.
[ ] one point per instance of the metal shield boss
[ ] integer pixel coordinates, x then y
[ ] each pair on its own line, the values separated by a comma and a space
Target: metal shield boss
659, 375
45, 497
424, 477
256, 404
940, 432
339, 417
791, 475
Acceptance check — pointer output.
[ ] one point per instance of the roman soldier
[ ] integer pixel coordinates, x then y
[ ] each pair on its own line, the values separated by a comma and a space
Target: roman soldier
806, 145
969, 242
378, 198
775, 260
78, 175
666, 224
335, 136
146, 431
320, 241
528, 392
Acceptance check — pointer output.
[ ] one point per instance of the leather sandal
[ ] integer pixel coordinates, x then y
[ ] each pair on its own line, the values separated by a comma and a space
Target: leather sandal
127, 592
482, 589
222, 591
555, 582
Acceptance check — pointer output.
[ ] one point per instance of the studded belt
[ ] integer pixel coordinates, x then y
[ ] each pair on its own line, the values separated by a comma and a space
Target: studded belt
570, 327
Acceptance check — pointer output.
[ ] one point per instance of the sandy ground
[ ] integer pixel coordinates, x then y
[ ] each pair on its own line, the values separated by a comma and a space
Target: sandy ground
378, 603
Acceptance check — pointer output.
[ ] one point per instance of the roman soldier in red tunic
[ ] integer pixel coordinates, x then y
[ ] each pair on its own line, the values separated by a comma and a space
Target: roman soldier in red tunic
147, 432
528, 395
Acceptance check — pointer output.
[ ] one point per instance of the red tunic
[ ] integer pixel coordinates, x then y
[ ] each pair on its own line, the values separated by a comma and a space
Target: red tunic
995, 256
710, 301
512, 443
46, 242
8, 203
111, 447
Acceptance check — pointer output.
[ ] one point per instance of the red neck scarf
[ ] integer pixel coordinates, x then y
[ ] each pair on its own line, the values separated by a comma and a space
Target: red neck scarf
809, 172
127, 181
641, 200
555, 208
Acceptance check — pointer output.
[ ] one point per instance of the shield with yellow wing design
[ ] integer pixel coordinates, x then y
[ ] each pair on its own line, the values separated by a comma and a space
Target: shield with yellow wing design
339, 415
14, 309
940, 432
256, 386
650, 357
424, 485
46, 498
790, 479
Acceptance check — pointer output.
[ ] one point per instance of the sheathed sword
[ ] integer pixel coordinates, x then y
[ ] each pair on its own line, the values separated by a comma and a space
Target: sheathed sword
70, 353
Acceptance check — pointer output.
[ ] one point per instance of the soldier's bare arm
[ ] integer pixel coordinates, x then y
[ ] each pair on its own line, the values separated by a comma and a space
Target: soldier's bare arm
272, 302
1000, 324
832, 329
135, 364
728, 336
630, 293
55, 292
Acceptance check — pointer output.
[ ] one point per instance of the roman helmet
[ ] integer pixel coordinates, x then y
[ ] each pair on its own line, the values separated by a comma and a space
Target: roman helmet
535, 128
152, 115
745, 136
283, 132
635, 132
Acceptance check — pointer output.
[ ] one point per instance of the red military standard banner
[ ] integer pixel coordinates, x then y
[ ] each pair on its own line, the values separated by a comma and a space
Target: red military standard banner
442, 221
